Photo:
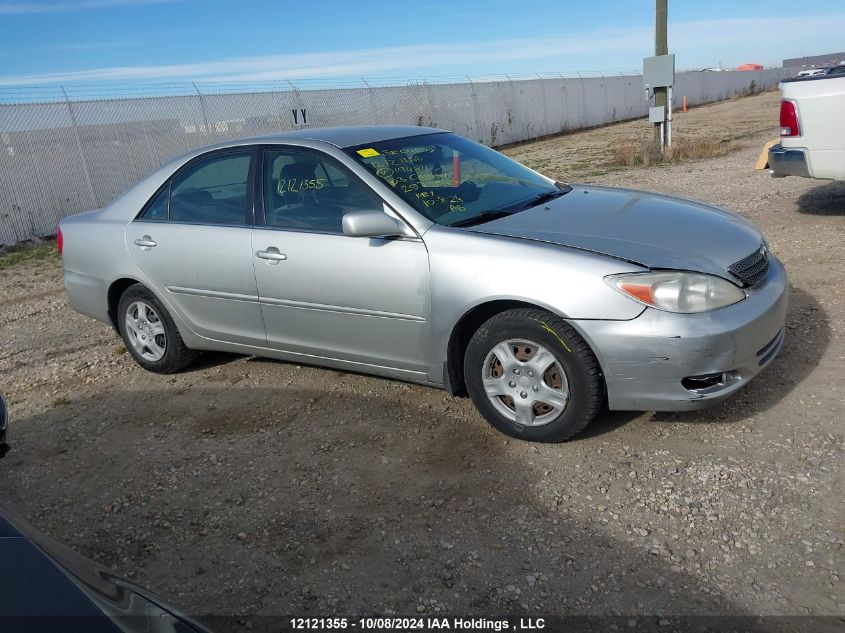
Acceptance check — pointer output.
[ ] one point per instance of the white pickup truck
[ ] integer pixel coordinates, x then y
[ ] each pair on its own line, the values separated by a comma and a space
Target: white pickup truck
812, 128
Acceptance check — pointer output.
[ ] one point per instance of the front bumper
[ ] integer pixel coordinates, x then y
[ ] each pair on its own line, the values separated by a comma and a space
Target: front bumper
788, 162
646, 359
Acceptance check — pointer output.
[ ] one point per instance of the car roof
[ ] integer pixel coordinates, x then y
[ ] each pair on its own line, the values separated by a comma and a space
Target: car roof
351, 136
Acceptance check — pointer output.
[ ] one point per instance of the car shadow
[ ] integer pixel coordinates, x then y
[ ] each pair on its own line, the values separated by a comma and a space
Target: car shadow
207, 360
296, 501
808, 334
827, 199
606, 422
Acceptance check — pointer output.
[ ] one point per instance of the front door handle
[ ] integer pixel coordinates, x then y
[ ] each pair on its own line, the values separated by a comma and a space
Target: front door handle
272, 255
145, 242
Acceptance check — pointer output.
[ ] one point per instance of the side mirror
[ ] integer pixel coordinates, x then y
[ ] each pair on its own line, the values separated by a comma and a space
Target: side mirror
375, 223
4, 448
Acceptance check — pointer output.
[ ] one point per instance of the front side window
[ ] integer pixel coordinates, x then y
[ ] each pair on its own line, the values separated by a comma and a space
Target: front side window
452, 180
213, 191
307, 191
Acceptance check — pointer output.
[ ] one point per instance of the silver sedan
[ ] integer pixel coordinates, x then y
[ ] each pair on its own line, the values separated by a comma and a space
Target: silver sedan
416, 254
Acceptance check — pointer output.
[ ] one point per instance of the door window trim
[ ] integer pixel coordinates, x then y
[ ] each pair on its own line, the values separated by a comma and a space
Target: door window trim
249, 210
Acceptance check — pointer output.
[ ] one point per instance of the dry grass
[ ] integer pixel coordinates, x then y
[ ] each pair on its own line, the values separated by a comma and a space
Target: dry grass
630, 153
27, 253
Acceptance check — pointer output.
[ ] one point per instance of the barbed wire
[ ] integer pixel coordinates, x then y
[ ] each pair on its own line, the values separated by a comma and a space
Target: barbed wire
44, 93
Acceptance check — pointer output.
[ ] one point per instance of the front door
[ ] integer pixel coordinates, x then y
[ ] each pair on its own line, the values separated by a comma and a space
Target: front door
193, 242
328, 296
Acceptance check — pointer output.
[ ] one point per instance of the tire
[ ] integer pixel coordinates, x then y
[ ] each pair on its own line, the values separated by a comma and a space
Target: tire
162, 349
563, 392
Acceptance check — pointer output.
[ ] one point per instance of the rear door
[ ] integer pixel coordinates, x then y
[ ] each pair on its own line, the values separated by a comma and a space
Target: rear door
193, 242
326, 295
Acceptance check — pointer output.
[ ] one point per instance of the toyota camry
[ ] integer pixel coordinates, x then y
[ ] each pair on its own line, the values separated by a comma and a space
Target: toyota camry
416, 254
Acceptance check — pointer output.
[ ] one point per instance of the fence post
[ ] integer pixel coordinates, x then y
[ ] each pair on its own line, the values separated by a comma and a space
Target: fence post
431, 120
296, 96
372, 101
510, 109
547, 127
563, 109
475, 109
82, 160
202, 108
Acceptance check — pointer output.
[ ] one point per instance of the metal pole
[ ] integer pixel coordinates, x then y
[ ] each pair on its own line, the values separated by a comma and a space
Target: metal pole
82, 160
547, 126
510, 109
669, 118
475, 111
202, 107
297, 100
430, 108
373, 110
661, 47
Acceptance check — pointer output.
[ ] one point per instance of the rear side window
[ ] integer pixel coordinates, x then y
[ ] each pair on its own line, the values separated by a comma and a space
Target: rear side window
212, 191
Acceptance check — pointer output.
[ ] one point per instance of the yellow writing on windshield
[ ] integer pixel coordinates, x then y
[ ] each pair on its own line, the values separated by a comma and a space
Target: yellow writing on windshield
417, 173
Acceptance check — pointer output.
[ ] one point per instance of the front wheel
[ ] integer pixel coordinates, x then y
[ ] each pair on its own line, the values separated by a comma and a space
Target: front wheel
532, 376
150, 334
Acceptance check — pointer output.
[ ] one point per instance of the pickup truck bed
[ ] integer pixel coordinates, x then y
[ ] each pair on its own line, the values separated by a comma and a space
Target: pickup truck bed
812, 141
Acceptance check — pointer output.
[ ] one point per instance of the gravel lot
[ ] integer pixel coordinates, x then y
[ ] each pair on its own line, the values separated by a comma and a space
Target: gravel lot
248, 486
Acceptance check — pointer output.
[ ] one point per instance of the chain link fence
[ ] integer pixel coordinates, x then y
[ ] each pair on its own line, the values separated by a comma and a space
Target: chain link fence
66, 150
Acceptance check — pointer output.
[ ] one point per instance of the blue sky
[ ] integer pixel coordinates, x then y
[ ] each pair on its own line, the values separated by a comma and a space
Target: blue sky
131, 41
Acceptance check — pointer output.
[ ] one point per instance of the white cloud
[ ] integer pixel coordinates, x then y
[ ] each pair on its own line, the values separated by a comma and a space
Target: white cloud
353, 62
698, 43
10, 8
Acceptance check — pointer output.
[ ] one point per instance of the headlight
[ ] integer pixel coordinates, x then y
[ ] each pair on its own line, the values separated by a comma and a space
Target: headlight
678, 291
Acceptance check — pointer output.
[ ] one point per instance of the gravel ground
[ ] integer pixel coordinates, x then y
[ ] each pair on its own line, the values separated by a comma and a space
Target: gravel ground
248, 486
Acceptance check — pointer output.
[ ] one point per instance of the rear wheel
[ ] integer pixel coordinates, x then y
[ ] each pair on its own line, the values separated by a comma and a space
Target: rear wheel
532, 376
150, 334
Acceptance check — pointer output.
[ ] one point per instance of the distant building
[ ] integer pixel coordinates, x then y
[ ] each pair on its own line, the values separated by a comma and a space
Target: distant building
815, 61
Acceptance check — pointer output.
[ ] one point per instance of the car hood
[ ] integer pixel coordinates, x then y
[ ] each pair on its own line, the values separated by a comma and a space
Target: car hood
649, 229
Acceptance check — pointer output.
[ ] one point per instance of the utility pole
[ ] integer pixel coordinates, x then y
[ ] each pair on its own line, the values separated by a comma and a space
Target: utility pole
661, 47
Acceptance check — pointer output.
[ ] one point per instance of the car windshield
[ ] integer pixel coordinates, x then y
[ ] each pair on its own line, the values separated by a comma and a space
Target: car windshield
452, 180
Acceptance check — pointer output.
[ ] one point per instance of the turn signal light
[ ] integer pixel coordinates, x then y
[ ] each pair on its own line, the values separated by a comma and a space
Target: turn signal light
639, 291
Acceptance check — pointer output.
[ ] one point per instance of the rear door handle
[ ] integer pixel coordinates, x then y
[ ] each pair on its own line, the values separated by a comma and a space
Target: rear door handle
272, 254
145, 242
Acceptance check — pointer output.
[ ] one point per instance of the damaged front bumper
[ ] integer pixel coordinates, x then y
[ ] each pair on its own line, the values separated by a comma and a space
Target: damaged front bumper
663, 361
